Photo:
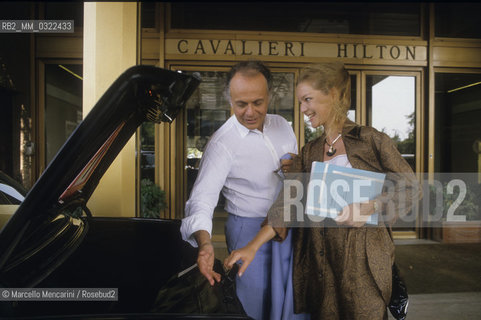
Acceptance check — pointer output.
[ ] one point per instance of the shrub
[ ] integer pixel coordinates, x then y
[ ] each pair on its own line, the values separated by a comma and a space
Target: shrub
152, 199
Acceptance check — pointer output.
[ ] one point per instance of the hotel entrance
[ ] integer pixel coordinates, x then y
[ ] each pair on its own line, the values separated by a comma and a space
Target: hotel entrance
397, 55
388, 99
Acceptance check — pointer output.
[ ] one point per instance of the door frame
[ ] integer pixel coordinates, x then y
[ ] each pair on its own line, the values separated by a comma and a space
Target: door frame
177, 176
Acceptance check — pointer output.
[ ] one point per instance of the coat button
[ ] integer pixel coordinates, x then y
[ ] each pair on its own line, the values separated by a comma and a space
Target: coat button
320, 274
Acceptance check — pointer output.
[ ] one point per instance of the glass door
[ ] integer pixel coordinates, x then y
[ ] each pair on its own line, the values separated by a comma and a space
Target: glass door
392, 105
457, 151
60, 107
391, 108
207, 110
457, 130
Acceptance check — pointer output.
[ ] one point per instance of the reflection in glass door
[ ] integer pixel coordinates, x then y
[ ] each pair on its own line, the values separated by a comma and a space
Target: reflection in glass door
209, 108
391, 101
457, 130
457, 136
62, 110
206, 111
391, 108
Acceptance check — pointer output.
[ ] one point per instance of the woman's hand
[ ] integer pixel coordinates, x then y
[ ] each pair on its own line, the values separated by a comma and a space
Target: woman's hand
245, 254
287, 161
355, 214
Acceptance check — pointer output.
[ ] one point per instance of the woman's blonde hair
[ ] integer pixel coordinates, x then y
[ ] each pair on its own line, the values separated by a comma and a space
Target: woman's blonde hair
325, 77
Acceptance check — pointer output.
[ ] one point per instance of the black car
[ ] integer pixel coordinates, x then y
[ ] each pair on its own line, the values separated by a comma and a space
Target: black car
54, 241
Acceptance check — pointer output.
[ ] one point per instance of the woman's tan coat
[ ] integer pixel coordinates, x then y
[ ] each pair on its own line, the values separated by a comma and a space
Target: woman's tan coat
366, 149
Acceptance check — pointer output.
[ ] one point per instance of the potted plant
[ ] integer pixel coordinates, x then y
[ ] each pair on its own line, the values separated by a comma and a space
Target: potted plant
152, 199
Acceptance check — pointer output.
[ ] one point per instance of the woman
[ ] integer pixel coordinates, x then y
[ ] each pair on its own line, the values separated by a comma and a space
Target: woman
341, 268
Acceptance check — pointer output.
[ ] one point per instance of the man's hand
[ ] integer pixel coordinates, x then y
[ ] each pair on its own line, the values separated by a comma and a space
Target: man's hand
205, 262
246, 254
205, 258
355, 214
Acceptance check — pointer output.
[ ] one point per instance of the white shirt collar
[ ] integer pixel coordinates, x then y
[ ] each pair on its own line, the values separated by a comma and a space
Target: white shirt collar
243, 131
267, 122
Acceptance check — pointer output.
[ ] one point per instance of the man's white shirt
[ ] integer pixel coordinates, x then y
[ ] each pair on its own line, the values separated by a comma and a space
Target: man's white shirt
241, 163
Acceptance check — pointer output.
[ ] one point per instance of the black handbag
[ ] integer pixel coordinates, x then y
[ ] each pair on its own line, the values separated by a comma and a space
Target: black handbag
189, 292
398, 305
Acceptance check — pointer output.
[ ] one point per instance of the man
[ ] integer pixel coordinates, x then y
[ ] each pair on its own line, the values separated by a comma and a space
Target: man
241, 160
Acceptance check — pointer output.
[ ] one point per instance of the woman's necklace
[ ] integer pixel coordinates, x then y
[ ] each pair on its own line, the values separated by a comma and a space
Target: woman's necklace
332, 151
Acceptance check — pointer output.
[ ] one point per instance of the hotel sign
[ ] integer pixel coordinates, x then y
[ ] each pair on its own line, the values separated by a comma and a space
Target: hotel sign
286, 50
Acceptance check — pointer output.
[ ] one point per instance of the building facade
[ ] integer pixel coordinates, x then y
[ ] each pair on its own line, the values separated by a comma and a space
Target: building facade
415, 72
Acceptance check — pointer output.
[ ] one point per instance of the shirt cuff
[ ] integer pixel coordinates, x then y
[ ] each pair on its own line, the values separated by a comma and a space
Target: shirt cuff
192, 224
